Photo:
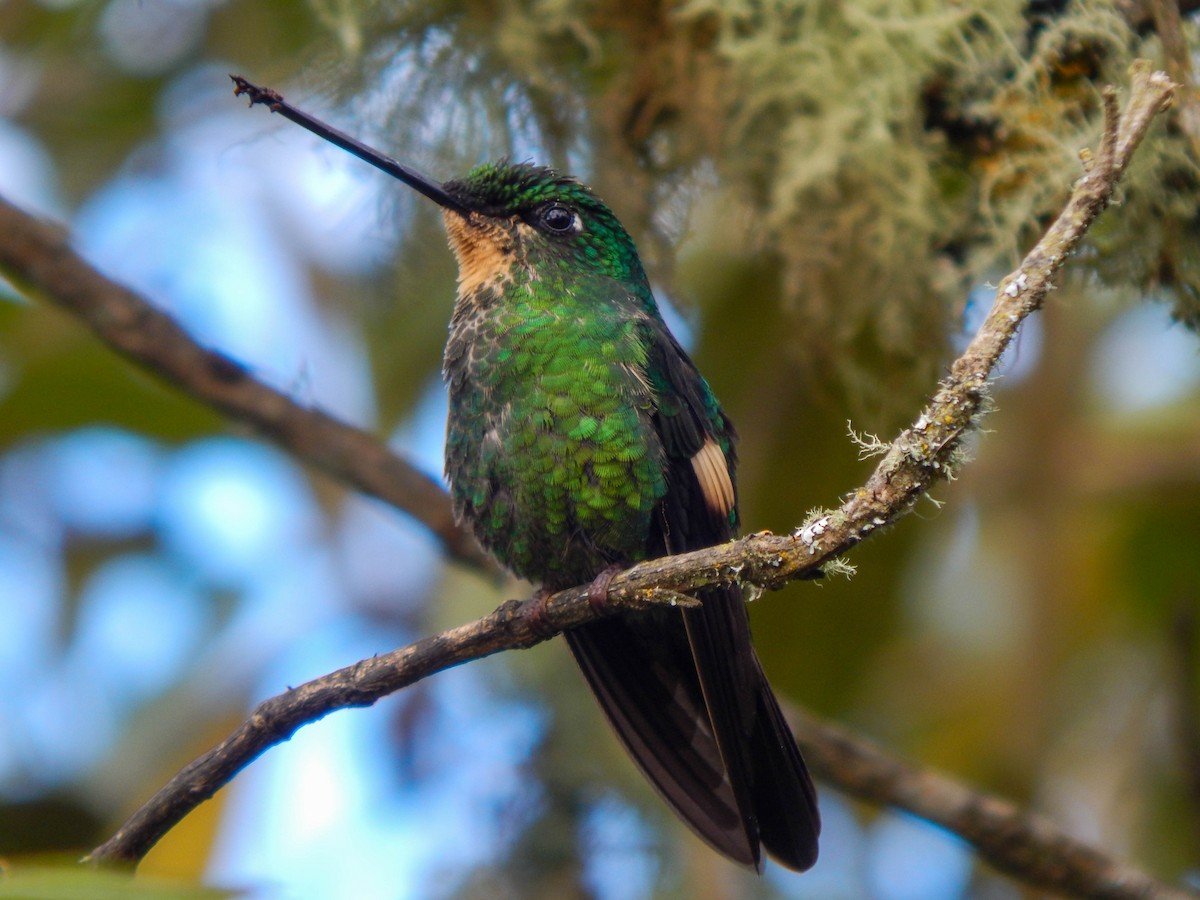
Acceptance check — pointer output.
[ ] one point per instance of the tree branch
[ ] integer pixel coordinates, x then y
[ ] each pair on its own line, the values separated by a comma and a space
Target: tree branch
1178, 57
928, 451
1023, 846
38, 258
512, 626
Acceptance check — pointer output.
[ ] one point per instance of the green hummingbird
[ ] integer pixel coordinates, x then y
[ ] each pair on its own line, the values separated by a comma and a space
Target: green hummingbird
581, 439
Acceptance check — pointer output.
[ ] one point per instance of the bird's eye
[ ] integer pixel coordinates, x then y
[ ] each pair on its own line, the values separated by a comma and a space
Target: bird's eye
558, 219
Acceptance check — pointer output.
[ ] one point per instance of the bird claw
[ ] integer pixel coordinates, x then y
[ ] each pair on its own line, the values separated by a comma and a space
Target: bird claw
597, 591
597, 594
536, 616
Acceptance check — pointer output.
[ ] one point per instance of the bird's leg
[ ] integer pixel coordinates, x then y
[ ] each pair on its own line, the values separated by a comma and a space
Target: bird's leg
598, 590
537, 614
597, 594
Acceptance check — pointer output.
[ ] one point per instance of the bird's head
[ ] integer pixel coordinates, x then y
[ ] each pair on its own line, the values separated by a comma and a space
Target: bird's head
503, 214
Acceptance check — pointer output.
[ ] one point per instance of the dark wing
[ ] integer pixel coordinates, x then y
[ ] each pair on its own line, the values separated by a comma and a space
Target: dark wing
642, 673
683, 688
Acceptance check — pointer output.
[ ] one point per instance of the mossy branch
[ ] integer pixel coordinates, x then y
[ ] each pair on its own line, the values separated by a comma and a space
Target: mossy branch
37, 257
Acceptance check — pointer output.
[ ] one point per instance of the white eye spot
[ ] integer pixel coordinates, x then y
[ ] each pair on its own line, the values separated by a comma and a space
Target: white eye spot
559, 219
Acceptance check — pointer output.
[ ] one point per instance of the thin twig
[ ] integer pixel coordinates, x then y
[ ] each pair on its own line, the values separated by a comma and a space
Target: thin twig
1178, 57
514, 625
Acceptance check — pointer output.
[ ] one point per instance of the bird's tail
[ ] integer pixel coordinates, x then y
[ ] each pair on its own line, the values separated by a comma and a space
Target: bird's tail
685, 693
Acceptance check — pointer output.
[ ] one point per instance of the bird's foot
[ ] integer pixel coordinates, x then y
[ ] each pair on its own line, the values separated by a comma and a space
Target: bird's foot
537, 614
597, 592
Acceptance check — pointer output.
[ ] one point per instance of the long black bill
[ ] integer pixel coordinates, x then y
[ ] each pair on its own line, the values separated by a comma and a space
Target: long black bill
274, 101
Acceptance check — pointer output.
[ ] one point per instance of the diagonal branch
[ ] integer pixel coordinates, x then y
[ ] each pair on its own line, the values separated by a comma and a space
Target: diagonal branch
38, 258
1168, 22
1024, 846
928, 451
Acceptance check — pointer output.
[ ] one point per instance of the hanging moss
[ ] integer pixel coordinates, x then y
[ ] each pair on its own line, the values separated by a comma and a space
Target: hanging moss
876, 158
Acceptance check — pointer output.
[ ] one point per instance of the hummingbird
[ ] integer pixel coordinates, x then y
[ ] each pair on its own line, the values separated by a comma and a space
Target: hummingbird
581, 439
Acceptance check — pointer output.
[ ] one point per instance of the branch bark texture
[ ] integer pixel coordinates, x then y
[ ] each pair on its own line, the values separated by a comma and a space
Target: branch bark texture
38, 257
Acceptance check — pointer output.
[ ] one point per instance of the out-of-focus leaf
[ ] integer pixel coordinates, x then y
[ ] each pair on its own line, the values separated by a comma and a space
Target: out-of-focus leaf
60, 377
71, 881
185, 852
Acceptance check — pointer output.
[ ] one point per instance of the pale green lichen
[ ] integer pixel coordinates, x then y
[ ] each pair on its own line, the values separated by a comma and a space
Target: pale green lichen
838, 567
871, 160
868, 444
816, 523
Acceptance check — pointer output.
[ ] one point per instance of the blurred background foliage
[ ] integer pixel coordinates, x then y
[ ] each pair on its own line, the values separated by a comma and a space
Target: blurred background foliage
822, 192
